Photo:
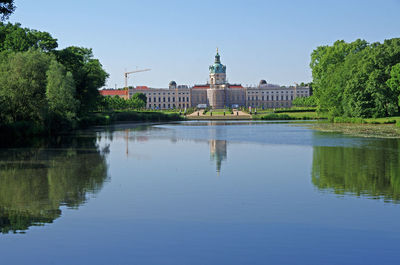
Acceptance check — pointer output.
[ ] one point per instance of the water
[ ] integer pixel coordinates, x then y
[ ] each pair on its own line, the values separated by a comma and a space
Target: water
201, 193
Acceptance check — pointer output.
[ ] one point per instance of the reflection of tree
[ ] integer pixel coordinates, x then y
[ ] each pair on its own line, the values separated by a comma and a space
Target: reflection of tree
370, 170
218, 152
35, 183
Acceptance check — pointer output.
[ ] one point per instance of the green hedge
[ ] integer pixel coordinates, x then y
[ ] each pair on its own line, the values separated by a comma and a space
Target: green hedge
274, 116
105, 118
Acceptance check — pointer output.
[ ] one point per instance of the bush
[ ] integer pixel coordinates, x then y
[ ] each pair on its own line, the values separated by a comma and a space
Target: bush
274, 116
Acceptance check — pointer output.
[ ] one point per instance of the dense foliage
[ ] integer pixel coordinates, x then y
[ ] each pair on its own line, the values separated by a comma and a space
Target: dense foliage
310, 101
137, 101
351, 79
7, 7
44, 89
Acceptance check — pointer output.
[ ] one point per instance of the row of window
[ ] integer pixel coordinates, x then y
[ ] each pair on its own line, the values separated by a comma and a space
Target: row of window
165, 106
164, 99
272, 98
270, 105
277, 92
167, 93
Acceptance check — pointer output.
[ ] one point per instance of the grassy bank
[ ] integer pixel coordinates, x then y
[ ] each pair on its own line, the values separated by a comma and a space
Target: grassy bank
105, 118
295, 115
357, 129
385, 120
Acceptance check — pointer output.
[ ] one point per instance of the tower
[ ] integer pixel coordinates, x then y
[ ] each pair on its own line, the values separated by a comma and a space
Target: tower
216, 94
217, 72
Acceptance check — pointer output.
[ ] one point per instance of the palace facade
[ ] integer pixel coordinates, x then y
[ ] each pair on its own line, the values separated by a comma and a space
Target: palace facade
218, 93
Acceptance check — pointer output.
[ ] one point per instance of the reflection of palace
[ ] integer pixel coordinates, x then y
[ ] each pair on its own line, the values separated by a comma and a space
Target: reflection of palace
218, 152
217, 93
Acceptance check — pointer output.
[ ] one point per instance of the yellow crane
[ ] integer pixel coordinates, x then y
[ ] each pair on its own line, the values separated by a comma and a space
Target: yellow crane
132, 72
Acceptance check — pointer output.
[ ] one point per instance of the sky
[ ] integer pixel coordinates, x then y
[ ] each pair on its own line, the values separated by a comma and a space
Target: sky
269, 40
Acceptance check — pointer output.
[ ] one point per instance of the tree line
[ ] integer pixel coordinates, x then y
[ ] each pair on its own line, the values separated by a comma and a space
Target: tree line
357, 79
42, 87
109, 103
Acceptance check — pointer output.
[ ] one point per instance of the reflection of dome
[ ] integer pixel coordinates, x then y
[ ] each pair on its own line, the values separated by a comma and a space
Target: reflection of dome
218, 152
263, 82
172, 83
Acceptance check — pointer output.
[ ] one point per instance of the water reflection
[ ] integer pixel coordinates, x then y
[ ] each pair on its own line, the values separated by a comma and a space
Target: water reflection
218, 152
36, 182
371, 170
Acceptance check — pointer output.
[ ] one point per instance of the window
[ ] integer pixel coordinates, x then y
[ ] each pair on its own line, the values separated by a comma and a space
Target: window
179, 99
159, 99
187, 99
183, 99
163, 99
173, 100
149, 99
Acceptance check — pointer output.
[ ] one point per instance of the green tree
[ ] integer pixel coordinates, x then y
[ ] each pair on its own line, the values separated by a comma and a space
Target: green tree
138, 101
7, 7
88, 74
350, 79
394, 81
310, 101
60, 94
23, 86
15, 38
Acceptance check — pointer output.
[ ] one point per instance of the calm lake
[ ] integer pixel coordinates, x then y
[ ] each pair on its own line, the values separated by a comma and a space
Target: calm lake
201, 193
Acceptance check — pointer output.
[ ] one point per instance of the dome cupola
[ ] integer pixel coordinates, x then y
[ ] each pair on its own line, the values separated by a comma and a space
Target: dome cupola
217, 67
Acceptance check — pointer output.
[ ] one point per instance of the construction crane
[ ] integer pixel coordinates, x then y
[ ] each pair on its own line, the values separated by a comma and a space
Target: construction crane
132, 72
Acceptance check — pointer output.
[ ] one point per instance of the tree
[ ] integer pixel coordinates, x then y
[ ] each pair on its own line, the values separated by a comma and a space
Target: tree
88, 74
7, 7
23, 86
394, 81
60, 95
350, 79
15, 38
310, 101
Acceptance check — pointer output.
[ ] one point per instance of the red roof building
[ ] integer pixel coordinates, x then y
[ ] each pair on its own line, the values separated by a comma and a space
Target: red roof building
114, 92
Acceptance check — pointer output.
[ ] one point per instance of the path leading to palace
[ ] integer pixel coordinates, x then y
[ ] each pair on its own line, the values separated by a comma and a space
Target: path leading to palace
237, 115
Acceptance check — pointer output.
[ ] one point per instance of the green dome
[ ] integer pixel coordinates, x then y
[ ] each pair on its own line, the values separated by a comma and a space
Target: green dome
217, 67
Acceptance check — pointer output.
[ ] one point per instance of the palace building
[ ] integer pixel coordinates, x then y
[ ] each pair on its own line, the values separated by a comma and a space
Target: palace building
218, 93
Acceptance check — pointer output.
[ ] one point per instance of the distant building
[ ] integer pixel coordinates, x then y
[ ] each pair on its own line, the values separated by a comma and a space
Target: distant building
218, 93
114, 92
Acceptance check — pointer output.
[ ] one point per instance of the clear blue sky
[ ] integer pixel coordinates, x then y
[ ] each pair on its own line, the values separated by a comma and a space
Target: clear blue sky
269, 40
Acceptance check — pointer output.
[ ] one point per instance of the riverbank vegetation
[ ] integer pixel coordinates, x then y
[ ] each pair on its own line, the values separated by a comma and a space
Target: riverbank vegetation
46, 90
110, 117
43, 89
357, 79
